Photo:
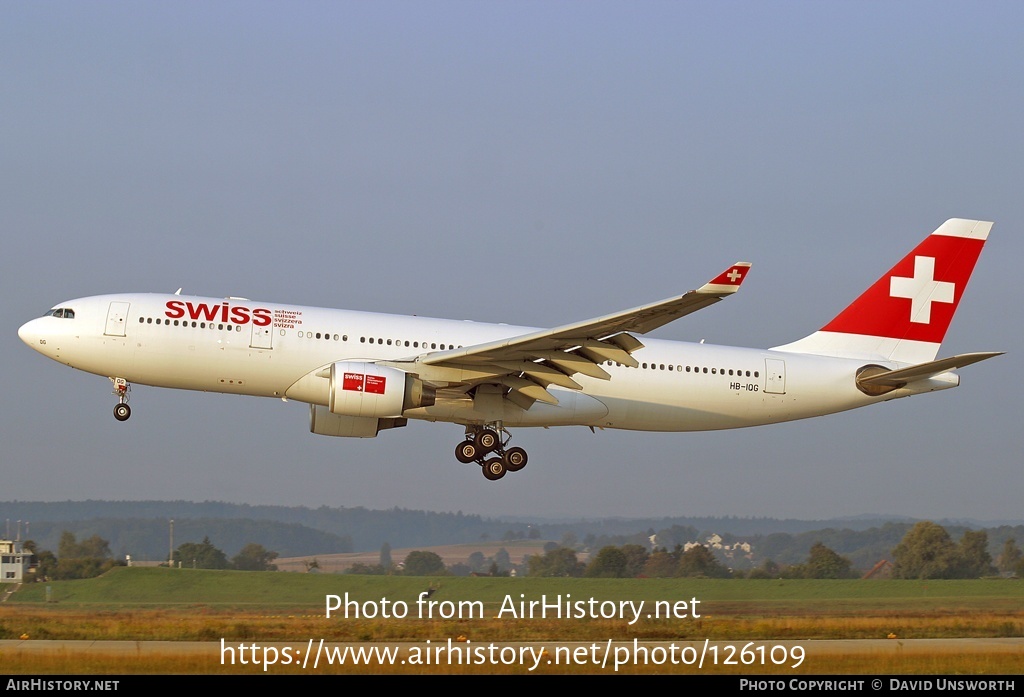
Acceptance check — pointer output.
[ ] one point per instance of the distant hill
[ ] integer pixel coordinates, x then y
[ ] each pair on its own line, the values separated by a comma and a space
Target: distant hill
148, 539
226, 524
142, 529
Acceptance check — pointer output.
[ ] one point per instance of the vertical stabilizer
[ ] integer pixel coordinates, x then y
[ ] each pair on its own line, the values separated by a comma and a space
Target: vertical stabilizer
904, 316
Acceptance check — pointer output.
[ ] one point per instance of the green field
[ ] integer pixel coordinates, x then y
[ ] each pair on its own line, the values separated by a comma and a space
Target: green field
150, 604
142, 587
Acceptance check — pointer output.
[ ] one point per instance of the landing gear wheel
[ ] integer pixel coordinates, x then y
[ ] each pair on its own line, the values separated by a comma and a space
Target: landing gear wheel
466, 452
122, 412
515, 459
487, 440
494, 469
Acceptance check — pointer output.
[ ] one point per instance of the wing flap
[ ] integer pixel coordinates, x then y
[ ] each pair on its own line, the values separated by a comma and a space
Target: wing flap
573, 363
599, 351
542, 373
528, 388
520, 400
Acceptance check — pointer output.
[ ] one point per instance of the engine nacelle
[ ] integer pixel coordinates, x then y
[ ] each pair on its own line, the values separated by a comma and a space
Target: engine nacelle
370, 390
324, 423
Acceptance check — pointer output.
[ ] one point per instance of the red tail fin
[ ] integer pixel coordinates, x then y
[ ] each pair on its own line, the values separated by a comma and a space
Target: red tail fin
905, 314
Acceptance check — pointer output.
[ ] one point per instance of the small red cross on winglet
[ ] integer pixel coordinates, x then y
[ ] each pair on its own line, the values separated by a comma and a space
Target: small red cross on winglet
729, 280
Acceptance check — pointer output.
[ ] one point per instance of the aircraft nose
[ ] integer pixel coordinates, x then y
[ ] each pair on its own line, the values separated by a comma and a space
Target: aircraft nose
29, 333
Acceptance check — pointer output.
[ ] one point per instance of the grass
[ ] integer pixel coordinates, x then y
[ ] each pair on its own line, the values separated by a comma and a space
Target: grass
188, 605
167, 587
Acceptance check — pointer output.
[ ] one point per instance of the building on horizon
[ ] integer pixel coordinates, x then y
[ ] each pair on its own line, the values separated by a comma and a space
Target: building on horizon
14, 562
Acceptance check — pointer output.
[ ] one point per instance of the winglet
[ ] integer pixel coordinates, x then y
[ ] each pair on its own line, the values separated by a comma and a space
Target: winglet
728, 281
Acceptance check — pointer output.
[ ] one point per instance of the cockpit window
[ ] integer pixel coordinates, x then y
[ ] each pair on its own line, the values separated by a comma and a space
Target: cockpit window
63, 312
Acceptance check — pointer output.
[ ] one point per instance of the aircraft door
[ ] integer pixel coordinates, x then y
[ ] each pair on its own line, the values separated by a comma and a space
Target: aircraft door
262, 337
774, 376
117, 316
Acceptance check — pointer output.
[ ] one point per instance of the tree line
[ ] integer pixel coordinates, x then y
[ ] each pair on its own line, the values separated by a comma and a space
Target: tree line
204, 555
926, 551
91, 557
141, 529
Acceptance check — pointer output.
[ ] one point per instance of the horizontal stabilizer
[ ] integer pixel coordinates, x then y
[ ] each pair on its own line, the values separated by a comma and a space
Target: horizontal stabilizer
898, 378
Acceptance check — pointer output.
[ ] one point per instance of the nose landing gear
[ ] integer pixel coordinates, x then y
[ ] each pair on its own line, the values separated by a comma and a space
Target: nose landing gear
122, 411
481, 441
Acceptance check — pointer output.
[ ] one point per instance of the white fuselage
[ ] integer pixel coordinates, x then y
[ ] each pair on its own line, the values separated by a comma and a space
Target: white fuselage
243, 347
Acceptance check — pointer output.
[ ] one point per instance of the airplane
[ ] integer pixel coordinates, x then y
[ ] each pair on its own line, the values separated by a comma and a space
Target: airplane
362, 372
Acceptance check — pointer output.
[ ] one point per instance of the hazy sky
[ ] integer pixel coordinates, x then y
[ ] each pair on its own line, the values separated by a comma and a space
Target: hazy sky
535, 163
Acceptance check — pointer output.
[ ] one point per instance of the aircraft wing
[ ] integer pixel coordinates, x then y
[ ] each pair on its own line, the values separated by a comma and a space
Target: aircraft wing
526, 365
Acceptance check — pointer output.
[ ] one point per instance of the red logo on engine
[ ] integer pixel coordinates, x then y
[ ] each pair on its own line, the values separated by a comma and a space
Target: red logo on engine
375, 384
358, 382
352, 382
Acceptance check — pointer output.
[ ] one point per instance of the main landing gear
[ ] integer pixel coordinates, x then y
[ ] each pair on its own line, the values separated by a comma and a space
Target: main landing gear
482, 441
121, 389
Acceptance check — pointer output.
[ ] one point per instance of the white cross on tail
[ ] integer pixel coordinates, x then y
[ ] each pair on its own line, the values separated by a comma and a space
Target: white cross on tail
922, 290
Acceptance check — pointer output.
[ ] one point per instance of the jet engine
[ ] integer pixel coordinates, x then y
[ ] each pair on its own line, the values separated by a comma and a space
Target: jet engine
324, 423
369, 390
